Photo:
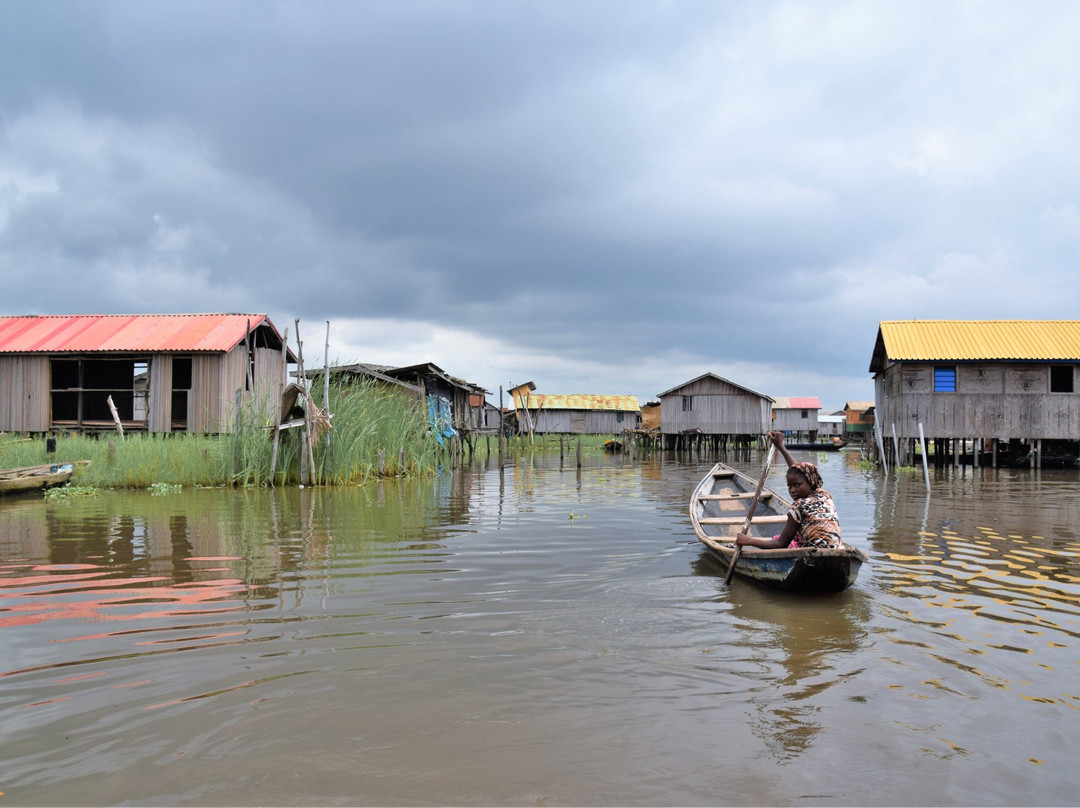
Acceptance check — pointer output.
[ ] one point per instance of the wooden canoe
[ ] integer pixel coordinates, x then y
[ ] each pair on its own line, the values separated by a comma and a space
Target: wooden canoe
33, 478
718, 509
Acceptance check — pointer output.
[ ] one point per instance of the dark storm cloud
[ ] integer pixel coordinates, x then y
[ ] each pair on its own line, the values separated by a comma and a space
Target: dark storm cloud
615, 196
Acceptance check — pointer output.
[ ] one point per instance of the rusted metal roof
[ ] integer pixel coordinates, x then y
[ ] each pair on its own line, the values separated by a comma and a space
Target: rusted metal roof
803, 403
581, 402
974, 340
86, 333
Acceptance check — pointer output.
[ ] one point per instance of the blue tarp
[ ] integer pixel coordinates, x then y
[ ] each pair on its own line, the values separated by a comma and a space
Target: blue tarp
439, 417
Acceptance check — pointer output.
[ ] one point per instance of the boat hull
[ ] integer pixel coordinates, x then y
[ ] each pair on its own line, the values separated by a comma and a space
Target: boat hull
35, 478
718, 509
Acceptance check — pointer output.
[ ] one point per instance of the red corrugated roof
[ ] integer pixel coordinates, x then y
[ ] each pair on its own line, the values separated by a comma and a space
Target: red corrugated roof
796, 403
126, 332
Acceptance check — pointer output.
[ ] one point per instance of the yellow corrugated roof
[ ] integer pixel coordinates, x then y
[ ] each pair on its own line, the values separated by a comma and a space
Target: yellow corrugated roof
961, 340
581, 402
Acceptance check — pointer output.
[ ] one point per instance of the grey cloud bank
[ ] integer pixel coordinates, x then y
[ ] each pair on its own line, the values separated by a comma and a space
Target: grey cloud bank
607, 197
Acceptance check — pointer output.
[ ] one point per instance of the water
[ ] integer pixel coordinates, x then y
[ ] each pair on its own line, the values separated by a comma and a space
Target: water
538, 635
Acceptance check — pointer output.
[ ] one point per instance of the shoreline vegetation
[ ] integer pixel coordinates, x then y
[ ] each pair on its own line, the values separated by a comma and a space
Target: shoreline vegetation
374, 434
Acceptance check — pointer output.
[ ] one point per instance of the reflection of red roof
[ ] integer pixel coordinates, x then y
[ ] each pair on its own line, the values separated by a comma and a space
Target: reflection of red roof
132, 332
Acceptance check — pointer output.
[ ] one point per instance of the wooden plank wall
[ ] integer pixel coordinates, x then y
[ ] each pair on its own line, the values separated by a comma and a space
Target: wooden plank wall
992, 401
159, 416
25, 403
718, 409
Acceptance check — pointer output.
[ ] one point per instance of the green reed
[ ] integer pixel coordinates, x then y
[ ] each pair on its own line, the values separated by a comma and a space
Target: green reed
372, 432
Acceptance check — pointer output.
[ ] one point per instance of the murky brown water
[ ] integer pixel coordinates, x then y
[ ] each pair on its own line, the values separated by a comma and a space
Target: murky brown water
537, 636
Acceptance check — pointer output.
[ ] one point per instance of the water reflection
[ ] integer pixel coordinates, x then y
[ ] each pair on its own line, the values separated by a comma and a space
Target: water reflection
803, 645
536, 633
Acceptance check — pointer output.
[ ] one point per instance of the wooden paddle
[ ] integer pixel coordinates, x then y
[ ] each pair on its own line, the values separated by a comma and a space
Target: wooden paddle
750, 513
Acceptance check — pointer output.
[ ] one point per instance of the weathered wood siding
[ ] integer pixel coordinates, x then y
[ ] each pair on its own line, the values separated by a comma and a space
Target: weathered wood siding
583, 422
991, 401
159, 403
24, 393
714, 408
791, 420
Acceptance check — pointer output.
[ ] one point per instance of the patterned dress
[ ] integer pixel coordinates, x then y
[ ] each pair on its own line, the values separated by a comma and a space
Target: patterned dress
819, 526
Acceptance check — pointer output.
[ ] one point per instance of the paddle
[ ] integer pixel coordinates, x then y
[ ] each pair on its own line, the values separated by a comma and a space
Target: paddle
750, 513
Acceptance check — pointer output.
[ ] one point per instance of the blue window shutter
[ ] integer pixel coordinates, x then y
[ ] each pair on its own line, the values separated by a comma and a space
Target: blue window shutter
944, 379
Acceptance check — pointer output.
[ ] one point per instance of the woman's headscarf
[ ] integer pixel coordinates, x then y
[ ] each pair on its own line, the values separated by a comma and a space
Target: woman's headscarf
810, 472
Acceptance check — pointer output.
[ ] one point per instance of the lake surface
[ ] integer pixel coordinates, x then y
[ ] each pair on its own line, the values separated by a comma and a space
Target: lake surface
538, 635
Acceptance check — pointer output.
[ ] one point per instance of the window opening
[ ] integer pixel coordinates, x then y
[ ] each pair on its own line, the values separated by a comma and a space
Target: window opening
1061, 378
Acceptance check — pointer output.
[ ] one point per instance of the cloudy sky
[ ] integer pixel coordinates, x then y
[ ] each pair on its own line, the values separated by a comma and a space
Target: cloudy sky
599, 196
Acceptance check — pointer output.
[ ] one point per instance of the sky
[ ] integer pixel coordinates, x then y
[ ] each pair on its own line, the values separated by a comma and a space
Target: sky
597, 196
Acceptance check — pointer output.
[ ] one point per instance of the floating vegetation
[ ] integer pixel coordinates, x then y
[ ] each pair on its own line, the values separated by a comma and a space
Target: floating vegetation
160, 489
71, 492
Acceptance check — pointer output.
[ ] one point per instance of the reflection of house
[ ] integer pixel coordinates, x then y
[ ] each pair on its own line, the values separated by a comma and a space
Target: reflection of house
796, 416
1007, 381
579, 414
714, 408
453, 402
162, 372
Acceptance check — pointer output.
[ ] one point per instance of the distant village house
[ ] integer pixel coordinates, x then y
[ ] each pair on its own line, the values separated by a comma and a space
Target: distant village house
712, 410
796, 416
574, 414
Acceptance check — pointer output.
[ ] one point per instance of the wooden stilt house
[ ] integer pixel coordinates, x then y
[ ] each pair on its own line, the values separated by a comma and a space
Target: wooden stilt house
989, 391
712, 410
158, 372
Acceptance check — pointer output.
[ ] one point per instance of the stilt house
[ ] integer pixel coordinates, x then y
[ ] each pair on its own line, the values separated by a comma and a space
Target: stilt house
797, 416
1009, 387
714, 410
455, 403
580, 414
160, 372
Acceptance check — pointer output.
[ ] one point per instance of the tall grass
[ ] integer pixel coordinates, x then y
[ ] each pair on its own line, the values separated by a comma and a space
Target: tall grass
372, 432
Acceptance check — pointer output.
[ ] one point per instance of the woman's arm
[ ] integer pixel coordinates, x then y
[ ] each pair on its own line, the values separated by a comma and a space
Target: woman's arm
776, 542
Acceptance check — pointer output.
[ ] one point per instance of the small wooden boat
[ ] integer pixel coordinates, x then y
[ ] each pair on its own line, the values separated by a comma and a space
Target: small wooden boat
32, 478
718, 509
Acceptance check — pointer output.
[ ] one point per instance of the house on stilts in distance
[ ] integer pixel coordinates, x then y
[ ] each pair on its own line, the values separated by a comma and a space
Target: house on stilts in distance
574, 414
988, 392
712, 411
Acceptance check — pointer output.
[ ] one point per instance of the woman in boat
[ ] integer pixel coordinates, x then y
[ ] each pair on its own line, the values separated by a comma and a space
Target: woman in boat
812, 520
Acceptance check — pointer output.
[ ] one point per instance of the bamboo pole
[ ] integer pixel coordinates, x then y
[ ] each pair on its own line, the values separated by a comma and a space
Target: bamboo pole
326, 399
307, 466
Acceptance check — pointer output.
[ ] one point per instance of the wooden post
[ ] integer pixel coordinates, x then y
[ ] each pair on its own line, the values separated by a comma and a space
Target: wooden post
579, 452
277, 404
116, 418
501, 437
307, 465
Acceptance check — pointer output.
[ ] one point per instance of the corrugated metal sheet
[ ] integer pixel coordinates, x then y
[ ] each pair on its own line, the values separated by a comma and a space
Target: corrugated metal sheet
796, 403
86, 333
582, 402
973, 340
